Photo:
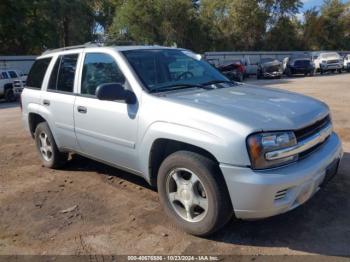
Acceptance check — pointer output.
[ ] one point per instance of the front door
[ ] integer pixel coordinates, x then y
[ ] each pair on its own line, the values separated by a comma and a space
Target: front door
105, 130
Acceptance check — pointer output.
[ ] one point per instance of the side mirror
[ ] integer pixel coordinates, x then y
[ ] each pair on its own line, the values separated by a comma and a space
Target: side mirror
115, 92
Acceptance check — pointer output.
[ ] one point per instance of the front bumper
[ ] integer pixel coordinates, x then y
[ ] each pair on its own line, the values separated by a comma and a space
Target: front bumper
301, 70
272, 74
260, 194
17, 90
331, 66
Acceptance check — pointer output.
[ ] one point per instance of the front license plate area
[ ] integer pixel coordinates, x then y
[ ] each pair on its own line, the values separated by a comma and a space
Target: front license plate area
331, 171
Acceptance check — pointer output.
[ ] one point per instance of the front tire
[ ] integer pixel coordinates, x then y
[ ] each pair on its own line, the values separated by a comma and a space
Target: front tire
193, 193
288, 72
240, 78
10, 95
50, 156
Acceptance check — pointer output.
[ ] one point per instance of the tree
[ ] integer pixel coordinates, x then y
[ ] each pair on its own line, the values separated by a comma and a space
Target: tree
333, 16
164, 22
312, 29
284, 35
239, 24
31, 27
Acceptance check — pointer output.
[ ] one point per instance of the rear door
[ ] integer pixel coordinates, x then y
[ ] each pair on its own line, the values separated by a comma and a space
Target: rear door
105, 130
59, 99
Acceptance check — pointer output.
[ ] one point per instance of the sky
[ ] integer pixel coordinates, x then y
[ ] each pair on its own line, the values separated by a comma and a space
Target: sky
308, 4
311, 3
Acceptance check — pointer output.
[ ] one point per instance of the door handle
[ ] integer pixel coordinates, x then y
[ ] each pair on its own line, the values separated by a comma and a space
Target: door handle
82, 109
46, 102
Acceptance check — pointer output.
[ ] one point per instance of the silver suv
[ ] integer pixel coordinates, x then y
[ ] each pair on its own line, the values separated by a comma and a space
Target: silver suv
214, 148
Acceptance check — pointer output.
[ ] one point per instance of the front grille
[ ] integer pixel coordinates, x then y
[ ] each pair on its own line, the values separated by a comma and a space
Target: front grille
272, 69
309, 151
302, 63
305, 132
310, 130
332, 61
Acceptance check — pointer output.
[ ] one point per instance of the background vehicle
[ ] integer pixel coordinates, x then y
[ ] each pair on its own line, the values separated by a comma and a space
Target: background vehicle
7, 79
298, 64
269, 68
212, 147
327, 61
234, 70
346, 63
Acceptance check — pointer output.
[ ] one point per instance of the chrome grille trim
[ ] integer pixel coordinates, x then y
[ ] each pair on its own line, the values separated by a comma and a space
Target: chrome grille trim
303, 145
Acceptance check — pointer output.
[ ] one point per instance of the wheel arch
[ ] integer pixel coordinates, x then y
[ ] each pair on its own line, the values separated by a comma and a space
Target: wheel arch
8, 86
34, 119
163, 147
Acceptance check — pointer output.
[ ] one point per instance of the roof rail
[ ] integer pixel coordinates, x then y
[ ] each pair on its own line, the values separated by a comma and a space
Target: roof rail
88, 44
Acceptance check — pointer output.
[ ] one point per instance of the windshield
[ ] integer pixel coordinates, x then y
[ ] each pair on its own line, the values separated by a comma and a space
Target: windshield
329, 55
158, 68
267, 60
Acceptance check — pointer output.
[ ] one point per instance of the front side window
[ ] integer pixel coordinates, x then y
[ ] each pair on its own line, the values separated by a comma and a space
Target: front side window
158, 68
63, 73
37, 73
99, 69
13, 74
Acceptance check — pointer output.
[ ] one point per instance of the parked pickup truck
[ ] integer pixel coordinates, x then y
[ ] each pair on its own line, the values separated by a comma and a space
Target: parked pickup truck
213, 148
325, 62
346, 62
8, 90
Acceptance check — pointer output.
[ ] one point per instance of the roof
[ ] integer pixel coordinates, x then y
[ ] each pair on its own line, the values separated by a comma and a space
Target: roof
117, 48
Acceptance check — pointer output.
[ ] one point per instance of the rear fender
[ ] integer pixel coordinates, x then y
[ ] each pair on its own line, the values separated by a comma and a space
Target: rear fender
46, 114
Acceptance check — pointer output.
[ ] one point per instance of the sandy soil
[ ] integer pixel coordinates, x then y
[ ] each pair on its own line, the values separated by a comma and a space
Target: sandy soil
90, 208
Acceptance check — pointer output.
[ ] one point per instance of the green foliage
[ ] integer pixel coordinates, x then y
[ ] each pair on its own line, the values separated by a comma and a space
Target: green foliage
29, 27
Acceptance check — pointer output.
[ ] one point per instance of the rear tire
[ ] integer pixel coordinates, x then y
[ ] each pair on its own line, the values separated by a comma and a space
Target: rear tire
186, 181
50, 156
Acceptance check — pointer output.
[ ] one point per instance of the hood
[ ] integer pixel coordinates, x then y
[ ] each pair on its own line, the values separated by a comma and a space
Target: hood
272, 64
256, 108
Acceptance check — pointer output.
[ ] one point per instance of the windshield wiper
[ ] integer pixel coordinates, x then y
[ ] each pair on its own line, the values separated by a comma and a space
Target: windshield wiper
176, 87
217, 82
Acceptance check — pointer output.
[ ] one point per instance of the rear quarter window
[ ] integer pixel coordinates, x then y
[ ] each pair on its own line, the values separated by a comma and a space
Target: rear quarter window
37, 73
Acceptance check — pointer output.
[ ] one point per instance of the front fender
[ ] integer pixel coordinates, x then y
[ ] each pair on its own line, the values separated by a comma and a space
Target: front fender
217, 146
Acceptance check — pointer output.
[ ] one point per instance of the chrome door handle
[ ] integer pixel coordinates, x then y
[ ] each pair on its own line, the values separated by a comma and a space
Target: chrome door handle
82, 109
46, 102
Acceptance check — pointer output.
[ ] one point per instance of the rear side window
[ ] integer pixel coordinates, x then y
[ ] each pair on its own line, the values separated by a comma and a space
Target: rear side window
37, 73
53, 78
63, 73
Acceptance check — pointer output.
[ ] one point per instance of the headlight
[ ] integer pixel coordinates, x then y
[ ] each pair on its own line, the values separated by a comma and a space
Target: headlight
261, 143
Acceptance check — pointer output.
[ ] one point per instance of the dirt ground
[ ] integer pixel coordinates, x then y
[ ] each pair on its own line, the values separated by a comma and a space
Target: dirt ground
90, 208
